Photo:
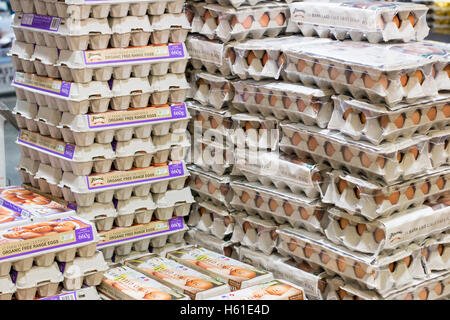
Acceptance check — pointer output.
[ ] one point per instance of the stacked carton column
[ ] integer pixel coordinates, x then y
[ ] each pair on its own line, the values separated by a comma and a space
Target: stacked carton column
100, 102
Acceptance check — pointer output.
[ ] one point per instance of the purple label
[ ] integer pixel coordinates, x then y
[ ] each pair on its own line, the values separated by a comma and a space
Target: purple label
72, 206
40, 22
63, 296
178, 111
176, 223
69, 149
84, 234
176, 170
176, 50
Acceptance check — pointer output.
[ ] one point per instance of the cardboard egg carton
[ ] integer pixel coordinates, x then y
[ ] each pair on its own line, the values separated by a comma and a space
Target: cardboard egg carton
169, 27
21, 54
236, 274
171, 88
228, 23
27, 169
312, 281
286, 173
385, 273
121, 282
136, 254
210, 55
378, 73
210, 186
25, 113
284, 101
255, 233
211, 90
213, 156
234, 3
210, 119
387, 234
30, 245
195, 236
436, 252
173, 203
85, 293
377, 123
388, 162
373, 200
168, 247
439, 149
281, 206
213, 219
196, 285
361, 21
83, 9
263, 58
7, 288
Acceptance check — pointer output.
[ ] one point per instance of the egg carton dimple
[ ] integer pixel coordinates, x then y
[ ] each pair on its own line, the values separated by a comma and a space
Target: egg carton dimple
210, 186
210, 89
388, 162
383, 274
376, 123
373, 200
285, 101
209, 218
206, 240
438, 148
362, 71
281, 206
374, 23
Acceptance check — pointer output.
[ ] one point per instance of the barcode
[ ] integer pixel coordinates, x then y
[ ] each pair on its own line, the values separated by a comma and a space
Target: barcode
69, 296
55, 24
27, 19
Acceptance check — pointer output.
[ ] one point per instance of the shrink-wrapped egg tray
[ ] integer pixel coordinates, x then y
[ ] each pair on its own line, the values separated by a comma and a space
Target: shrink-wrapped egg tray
211, 242
438, 147
255, 132
212, 120
211, 90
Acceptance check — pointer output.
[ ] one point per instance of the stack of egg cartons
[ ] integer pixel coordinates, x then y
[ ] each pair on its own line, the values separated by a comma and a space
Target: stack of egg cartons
387, 144
101, 88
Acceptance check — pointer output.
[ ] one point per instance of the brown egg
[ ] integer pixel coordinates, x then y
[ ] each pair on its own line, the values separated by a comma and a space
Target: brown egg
312, 143
432, 114
409, 296
280, 19
440, 183
259, 97
409, 192
211, 188
247, 23
231, 55
342, 293
264, 20
440, 249
250, 57
400, 121
404, 79
357, 192
288, 210
224, 189
304, 266
393, 198
347, 154
292, 246
272, 99
273, 205
400, 157
446, 110
425, 187
316, 106
347, 113
317, 177
214, 123
199, 284
244, 197
322, 285
281, 60
274, 235
227, 251
198, 183
207, 15
243, 273
415, 152
447, 69
415, 117
324, 257
318, 214
438, 288
359, 271
360, 228
365, 161
258, 201
423, 295
396, 20
301, 64
226, 88
343, 223
362, 118
368, 81
301, 106
384, 121
407, 261
308, 250
350, 76
342, 185
425, 253
341, 264
419, 75
296, 139
286, 102
248, 126
304, 214
246, 226
329, 149
333, 73
265, 58
202, 211
157, 295
412, 19
317, 68
392, 266
379, 235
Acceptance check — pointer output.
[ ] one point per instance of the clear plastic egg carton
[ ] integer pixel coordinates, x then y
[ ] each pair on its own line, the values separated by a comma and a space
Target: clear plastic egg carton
211, 90
210, 242
379, 73
255, 233
210, 55
383, 274
210, 186
210, 218
87, 271
214, 156
211, 119
375, 22
438, 148
395, 231
228, 23
121, 185
284, 101
388, 162
281, 206
377, 123
79, 10
373, 200
436, 252
312, 280
286, 173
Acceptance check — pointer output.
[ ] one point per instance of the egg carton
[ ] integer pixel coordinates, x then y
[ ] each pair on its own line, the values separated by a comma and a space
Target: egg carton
438, 148
436, 252
386, 234
156, 234
48, 179
99, 65
284, 101
171, 88
7, 288
434, 288
234, 3
228, 23
211, 119
387, 162
25, 113
173, 203
169, 27
383, 274
255, 233
206, 240
361, 21
215, 220
26, 170
84, 190
377, 123
373, 200
85, 293
196, 285
362, 70
80, 10
211, 90
168, 247
210, 186
210, 55
313, 282
281, 206
285, 173
260, 59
